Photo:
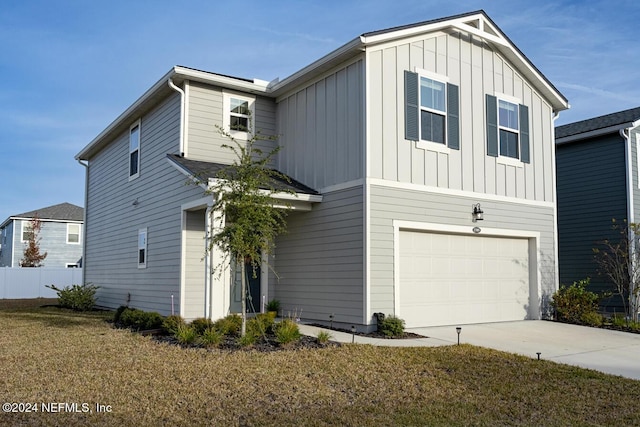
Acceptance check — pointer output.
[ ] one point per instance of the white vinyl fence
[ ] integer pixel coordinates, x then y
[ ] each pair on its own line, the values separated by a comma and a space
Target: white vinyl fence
17, 283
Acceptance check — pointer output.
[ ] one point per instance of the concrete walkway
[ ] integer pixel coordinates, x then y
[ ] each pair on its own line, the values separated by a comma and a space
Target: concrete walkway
612, 352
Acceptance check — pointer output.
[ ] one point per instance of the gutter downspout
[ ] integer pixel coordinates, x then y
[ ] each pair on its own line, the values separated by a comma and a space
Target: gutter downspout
182, 113
546, 309
84, 219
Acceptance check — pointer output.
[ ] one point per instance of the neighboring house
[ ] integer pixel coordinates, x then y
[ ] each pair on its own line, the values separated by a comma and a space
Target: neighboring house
392, 141
61, 236
598, 167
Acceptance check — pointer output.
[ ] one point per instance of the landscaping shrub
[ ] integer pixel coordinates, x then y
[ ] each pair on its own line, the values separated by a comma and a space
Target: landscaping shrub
140, 320
201, 324
574, 303
76, 297
323, 337
261, 324
186, 334
171, 323
229, 325
392, 326
247, 340
591, 318
118, 313
211, 338
287, 331
273, 305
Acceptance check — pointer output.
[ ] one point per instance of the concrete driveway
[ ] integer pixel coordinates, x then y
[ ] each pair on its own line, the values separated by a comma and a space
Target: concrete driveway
612, 352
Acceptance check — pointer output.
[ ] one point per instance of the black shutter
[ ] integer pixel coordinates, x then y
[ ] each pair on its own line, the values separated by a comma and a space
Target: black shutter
492, 126
453, 117
525, 155
411, 110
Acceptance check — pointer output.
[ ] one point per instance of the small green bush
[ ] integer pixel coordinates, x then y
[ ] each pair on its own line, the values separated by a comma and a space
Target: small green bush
201, 324
138, 320
323, 337
273, 305
392, 326
118, 313
261, 324
247, 340
591, 318
229, 325
76, 297
186, 335
575, 302
211, 338
171, 323
287, 331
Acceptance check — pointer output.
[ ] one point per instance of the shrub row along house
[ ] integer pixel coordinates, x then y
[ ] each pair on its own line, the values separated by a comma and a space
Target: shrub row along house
422, 161
60, 236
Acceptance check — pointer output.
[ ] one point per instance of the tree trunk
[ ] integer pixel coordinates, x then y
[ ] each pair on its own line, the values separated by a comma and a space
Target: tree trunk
243, 296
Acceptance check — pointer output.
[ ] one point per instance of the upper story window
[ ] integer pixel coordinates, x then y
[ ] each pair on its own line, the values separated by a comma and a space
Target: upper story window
73, 233
27, 231
507, 128
431, 109
134, 150
238, 113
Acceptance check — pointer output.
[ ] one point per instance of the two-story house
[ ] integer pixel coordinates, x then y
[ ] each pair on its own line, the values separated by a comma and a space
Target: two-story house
423, 161
598, 172
60, 236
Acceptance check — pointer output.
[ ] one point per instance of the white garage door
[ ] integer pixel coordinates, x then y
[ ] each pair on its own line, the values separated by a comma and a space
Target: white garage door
448, 279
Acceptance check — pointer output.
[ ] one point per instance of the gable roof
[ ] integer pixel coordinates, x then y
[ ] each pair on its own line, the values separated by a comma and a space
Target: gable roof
475, 23
60, 212
608, 123
209, 170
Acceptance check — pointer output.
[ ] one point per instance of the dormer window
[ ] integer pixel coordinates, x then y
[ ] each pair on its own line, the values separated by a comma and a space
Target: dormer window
238, 112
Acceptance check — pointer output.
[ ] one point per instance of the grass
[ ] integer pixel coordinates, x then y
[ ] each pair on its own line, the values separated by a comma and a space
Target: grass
52, 355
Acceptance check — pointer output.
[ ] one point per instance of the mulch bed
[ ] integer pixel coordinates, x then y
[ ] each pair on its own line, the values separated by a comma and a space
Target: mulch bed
27, 303
374, 334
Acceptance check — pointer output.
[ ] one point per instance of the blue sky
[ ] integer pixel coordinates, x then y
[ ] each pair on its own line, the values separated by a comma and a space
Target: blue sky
69, 68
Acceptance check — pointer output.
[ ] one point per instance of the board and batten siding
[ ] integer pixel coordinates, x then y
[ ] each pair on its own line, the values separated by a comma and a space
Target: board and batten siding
113, 220
389, 204
476, 70
319, 261
205, 112
321, 128
592, 191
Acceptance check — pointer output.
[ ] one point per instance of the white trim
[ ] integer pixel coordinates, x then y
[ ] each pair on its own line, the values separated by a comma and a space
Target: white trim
133, 126
461, 193
431, 75
187, 106
349, 184
366, 200
510, 161
508, 98
183, 261
79, 234
535, 274
201, 203
226, 111
264, 281
638, 160
433, 146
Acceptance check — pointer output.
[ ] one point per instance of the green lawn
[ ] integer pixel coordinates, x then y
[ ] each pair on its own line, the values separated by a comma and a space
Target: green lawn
50, 356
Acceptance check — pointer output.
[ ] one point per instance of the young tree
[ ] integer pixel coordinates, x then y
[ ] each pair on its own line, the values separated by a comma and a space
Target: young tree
248, 219
619, 261
32, 256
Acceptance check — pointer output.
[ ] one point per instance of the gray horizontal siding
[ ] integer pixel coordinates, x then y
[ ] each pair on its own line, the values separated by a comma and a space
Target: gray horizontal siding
591, 177
319, 261
389, 204
113, 221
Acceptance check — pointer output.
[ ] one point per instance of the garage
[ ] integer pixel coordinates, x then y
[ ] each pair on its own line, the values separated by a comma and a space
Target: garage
453, 279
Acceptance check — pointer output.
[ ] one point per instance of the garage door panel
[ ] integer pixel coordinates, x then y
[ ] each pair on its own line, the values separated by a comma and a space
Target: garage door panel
456, 279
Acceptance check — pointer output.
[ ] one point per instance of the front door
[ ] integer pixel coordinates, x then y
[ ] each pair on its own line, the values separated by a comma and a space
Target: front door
254, 303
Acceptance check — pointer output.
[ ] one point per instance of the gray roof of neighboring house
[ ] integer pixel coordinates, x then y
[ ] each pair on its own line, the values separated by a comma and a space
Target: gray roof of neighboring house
202, 170
613, 121
62, 211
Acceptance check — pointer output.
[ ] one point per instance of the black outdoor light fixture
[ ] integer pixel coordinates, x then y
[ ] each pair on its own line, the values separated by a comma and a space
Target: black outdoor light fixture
458, 330
477, 213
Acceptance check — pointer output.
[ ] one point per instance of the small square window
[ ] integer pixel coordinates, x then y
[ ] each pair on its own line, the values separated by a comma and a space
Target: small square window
237, 115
